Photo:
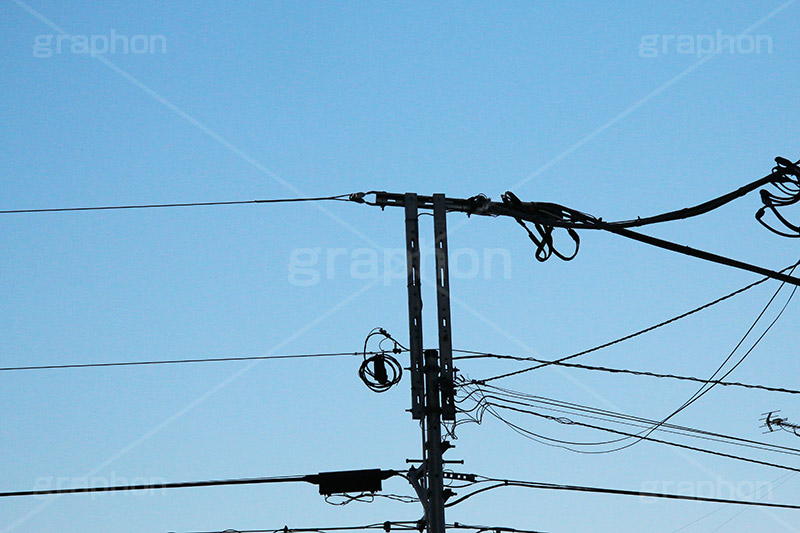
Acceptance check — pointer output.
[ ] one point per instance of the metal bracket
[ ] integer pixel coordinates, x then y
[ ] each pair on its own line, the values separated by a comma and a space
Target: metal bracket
414, 307
443, 303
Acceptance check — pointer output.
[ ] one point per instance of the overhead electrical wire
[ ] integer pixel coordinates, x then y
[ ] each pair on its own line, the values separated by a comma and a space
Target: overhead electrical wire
329, 483
637, 333
340, 197
159, 486
712, 381
367, 497
546, 217
183, 361
488, 355
385, 526
568, 421
707, 384
775, 484
705, 388
500, 483
489, 398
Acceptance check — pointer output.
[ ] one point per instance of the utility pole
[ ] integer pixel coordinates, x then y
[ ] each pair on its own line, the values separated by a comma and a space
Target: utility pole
432, 391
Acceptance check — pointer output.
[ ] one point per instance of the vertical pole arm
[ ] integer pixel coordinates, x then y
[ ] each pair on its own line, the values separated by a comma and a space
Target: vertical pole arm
414, 307
434, 466
443, 307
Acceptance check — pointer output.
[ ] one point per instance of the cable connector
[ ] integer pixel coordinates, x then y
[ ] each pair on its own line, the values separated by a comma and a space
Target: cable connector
472, 478
358, 197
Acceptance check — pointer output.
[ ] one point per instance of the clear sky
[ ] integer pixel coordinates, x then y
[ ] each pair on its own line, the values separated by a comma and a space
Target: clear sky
619, 109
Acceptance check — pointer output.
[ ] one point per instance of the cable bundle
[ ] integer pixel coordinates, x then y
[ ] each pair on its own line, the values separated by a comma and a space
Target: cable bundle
788, 183
381, 371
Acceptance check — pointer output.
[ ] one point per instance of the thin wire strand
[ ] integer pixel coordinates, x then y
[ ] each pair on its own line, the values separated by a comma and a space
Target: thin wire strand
340, 197
182, 361
708, 386
406, 525
160, 486
567, 421
399, 525
578, 488
611, 416
640, 332
485, 355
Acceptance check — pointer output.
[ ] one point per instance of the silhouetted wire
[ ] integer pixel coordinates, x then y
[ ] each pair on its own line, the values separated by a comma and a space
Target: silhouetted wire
621, 418
480, 529
500, 483
386, 526
567, 421
381, 371
543, 238
344, 499
182, 361
546, 217
779, 178
637, 333
367, 497
485, 404
340, 197
489, 355
159, 486
708, 386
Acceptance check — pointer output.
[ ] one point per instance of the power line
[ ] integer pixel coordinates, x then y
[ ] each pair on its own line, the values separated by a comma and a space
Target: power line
484, 355
608, 416
160, 486
705, 388
640, 332
500, 483
546, 217
567, 421
325, 480
340, 197
385, 526
182, 361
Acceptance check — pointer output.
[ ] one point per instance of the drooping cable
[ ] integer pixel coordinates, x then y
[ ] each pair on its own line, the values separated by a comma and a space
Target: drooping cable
546, 217
705, 388
639, 332
497, 397
568, 421
367, 497
500, 483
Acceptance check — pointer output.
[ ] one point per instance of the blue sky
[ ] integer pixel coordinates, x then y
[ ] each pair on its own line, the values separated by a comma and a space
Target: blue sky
556, 101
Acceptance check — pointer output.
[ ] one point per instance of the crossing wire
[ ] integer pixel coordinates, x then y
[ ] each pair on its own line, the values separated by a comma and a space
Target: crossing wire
483, 355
